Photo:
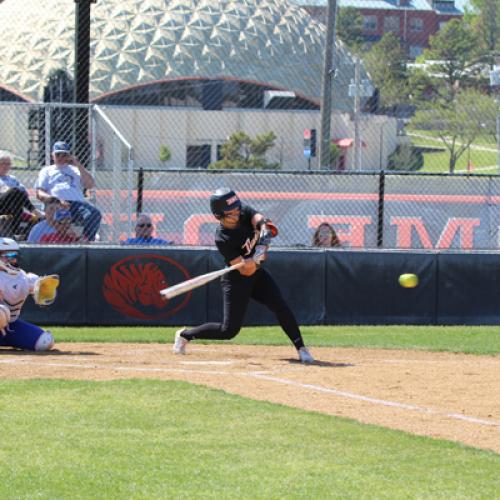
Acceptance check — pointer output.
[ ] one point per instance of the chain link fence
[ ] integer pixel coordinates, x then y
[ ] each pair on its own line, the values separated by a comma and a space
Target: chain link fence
191, 96
377, 209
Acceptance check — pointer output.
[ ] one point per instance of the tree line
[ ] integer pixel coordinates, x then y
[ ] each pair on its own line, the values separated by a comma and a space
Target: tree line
449, 90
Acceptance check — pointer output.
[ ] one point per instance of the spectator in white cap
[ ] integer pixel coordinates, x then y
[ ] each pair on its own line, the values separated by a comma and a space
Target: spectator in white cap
66, 179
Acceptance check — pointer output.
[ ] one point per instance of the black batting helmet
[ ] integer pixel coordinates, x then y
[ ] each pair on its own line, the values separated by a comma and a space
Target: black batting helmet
223, 200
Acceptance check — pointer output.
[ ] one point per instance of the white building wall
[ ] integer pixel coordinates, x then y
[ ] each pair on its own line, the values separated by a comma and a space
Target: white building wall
148, 128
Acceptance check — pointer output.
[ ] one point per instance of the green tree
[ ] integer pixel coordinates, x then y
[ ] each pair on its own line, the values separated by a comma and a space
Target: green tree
459, 122
386, 64
485, 19
165, 153
243, 152
423, 87
335, 154
405, 158
350, 27
455, 49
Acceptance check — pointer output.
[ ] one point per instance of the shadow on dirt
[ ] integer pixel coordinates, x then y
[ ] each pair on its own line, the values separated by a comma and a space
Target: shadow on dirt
320, 363
10, 351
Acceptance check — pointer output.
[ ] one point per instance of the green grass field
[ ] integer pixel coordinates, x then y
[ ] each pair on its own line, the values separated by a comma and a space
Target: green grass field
481, 140
467, 339
484, 162
164, 439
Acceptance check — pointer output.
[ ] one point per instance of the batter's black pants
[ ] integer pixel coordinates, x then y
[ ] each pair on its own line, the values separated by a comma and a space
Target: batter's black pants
237, 290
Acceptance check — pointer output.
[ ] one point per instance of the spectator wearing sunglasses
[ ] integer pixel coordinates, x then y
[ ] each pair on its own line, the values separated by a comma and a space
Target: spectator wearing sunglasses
144, 229
66, 179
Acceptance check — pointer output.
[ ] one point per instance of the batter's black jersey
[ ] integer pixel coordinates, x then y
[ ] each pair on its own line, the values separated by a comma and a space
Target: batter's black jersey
240, 241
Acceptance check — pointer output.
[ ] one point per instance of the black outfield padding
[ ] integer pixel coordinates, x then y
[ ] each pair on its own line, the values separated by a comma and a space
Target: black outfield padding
363, 288
124, 285
469, 289
120, 286
70, 306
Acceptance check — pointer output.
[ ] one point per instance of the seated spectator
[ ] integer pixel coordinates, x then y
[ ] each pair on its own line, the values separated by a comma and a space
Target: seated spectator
144, 228
325, 236
65, 231
66, 180
47, 225
15, 204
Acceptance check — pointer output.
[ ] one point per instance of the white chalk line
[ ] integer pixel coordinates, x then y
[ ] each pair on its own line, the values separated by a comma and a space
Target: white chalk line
367, 399
264, 376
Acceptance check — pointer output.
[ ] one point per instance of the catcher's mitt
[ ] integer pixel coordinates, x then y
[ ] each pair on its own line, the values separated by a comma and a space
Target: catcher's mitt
45, 290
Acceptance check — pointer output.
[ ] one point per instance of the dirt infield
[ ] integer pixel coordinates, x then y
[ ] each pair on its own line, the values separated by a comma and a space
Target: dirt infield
449, 396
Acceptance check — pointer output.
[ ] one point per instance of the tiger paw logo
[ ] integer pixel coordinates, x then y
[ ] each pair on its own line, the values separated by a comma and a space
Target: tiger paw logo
132, 286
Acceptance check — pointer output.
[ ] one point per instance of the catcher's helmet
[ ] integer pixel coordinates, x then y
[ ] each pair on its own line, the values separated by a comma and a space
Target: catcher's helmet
9, 258
8, 245
223, 200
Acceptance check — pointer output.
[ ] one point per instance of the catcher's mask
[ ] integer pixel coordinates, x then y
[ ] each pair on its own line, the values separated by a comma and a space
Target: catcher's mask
9, 255
224, 200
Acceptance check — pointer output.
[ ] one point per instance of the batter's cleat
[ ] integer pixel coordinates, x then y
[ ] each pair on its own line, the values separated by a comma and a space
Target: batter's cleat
180, 343
305, 356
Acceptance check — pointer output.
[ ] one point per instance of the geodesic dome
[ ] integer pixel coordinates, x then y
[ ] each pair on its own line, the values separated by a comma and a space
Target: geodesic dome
138, 42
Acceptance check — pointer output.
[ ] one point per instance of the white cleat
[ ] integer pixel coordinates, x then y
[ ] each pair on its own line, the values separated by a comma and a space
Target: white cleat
180, 343
305, 356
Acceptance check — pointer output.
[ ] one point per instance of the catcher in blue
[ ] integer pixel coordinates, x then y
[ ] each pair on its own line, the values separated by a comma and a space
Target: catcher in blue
243, 235
15, 286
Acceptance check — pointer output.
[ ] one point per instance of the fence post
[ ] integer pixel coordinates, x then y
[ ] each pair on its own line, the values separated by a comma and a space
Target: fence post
140, 189
47, 133
380, 212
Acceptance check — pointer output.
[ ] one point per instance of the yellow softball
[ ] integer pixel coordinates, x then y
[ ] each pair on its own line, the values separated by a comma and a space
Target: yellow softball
408, 280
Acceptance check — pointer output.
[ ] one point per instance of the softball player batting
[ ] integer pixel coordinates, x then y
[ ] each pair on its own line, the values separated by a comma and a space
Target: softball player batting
243, 236
15, 286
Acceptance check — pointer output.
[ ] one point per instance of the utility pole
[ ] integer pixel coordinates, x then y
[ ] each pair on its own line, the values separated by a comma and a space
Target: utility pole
495, 85
357, 106
326, 86
82, 76
357, 89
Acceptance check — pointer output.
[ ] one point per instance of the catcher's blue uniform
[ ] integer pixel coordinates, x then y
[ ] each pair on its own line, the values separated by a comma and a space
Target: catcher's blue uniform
15, 286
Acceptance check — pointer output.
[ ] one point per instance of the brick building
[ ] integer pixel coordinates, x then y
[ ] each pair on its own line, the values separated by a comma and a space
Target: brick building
414, 21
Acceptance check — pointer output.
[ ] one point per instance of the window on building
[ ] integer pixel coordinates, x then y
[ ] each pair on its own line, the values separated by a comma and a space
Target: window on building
416, 24
391, 23
444, 5
198, 156
370, 23
415, 51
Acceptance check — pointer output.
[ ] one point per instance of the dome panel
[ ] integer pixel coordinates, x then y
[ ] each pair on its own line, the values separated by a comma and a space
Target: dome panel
138, 41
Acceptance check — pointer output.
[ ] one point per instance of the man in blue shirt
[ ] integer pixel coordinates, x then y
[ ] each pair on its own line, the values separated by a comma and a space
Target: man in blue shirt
144, 233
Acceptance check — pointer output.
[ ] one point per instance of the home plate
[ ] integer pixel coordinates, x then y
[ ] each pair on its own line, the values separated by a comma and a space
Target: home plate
229, 362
